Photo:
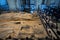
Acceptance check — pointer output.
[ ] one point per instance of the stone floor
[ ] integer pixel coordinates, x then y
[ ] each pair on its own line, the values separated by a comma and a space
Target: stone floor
21, 25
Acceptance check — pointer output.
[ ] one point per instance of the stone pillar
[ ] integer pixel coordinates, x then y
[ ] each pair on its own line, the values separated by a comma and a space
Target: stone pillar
12, 5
